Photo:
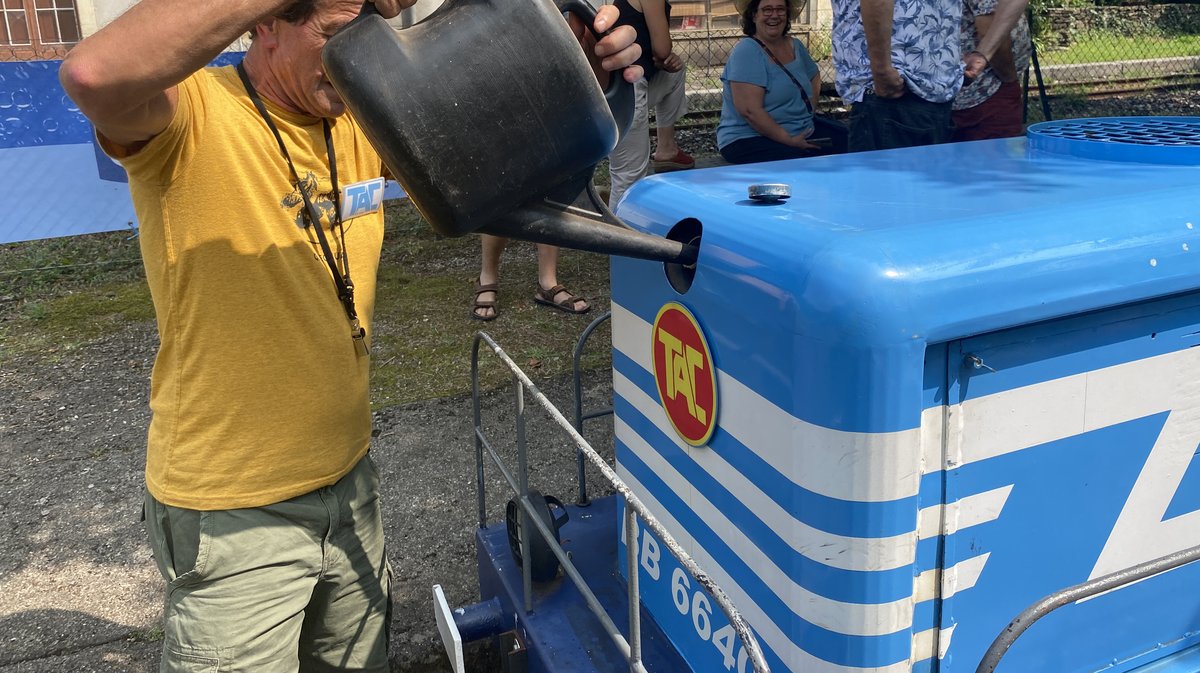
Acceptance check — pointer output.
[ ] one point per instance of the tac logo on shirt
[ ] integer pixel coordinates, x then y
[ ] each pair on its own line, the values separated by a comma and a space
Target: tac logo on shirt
361, 198
684, 373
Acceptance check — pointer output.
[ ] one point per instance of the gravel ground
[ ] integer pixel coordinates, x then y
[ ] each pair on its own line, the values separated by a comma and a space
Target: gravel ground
78, 589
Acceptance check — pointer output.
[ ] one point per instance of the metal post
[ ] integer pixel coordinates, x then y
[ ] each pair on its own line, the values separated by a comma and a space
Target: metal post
1037, 71
631, 567
523, 476
580, 464
475, 406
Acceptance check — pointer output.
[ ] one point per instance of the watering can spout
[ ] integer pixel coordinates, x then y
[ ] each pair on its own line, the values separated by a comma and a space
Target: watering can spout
592, 231
580, 233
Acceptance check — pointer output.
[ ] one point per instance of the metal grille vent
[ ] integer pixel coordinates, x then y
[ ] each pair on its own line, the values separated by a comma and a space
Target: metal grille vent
1156, 140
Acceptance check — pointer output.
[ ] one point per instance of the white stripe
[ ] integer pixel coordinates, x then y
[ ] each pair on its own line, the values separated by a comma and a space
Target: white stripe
768, 631
960, 577
924, 641
856, 619
933, 421
1017, 419
1142, 531
963, 575
944, 640
838, 551
923, 644
858, 466
971, 510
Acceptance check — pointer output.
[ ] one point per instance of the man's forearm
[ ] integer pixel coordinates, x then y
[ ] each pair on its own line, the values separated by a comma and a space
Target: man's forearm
877, 18
1007, 13
174, 38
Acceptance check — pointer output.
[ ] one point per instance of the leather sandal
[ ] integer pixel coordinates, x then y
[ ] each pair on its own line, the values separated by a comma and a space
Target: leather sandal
568, 305
480, 288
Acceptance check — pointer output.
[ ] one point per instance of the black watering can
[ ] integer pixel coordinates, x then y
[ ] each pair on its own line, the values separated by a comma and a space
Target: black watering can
489, 115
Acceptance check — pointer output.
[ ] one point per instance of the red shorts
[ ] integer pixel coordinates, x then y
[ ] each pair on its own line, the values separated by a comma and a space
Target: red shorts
997, 117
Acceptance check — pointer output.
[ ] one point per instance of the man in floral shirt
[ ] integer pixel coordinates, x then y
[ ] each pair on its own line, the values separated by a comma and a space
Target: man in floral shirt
991, 106
898, 66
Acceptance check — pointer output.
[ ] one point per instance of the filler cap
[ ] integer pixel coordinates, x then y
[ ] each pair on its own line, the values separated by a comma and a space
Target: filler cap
770, 192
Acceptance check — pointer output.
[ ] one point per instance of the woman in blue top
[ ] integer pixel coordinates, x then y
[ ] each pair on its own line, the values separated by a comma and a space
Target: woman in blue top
770, 82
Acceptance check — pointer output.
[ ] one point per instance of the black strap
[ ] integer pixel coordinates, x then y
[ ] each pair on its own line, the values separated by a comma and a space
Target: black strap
803, 93
341, 279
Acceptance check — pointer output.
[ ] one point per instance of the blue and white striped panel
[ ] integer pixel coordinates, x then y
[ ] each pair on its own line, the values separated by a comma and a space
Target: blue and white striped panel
1078, 449
808, 529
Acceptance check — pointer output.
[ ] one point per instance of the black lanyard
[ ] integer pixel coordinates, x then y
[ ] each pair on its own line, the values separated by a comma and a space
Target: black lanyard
341, 279
803, 94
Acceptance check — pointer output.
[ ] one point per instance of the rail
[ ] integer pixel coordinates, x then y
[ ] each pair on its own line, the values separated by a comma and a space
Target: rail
630, 648
580, 414
1003, 642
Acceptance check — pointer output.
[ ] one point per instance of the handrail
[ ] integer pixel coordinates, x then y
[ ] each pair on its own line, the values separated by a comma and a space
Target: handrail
634, 509
580, 416
1004, 641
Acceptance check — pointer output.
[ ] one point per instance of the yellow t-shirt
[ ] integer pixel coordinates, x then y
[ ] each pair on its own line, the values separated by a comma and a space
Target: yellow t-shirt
258, 392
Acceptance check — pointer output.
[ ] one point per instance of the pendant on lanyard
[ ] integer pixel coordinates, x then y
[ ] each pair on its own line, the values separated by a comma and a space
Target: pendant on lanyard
341, 278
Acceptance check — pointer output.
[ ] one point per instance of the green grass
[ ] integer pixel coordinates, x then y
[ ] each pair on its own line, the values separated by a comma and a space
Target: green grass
424, 330
1099, 48
59, 295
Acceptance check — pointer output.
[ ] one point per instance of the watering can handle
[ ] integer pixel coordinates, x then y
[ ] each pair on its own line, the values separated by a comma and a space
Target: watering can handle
619, 93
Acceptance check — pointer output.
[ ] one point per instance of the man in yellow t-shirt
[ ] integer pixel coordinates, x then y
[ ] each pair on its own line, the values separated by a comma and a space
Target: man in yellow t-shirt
262, 504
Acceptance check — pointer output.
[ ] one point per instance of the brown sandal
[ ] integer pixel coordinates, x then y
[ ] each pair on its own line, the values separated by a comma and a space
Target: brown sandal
568, 305
480, 288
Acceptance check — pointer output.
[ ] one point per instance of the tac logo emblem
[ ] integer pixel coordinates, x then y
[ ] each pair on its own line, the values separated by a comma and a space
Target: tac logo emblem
684, 373
361, 198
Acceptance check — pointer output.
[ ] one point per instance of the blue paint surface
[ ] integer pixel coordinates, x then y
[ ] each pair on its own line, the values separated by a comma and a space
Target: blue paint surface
1187, 499
880, 254
860, 302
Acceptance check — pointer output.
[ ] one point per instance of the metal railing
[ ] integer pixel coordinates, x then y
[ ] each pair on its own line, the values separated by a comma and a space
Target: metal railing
1003, 642
580, 414
630, 648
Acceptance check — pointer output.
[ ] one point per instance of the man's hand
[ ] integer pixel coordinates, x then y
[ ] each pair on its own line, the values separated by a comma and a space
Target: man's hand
671, 63
888, 82
975, 63
615, 51
389, 9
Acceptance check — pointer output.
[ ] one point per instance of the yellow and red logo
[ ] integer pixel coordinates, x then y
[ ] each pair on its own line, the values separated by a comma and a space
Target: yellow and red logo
684, 373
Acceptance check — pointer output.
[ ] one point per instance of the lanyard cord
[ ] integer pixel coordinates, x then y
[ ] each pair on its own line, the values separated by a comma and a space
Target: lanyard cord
803, 94
341, 281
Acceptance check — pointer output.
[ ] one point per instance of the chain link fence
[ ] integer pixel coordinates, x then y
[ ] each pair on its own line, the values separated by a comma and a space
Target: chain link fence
1084, 49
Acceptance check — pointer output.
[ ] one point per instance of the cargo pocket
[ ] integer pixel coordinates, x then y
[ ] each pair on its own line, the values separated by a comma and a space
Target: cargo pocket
175, 661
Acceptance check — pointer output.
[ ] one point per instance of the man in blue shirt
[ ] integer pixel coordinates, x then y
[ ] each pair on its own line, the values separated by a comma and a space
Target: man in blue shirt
899, 66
